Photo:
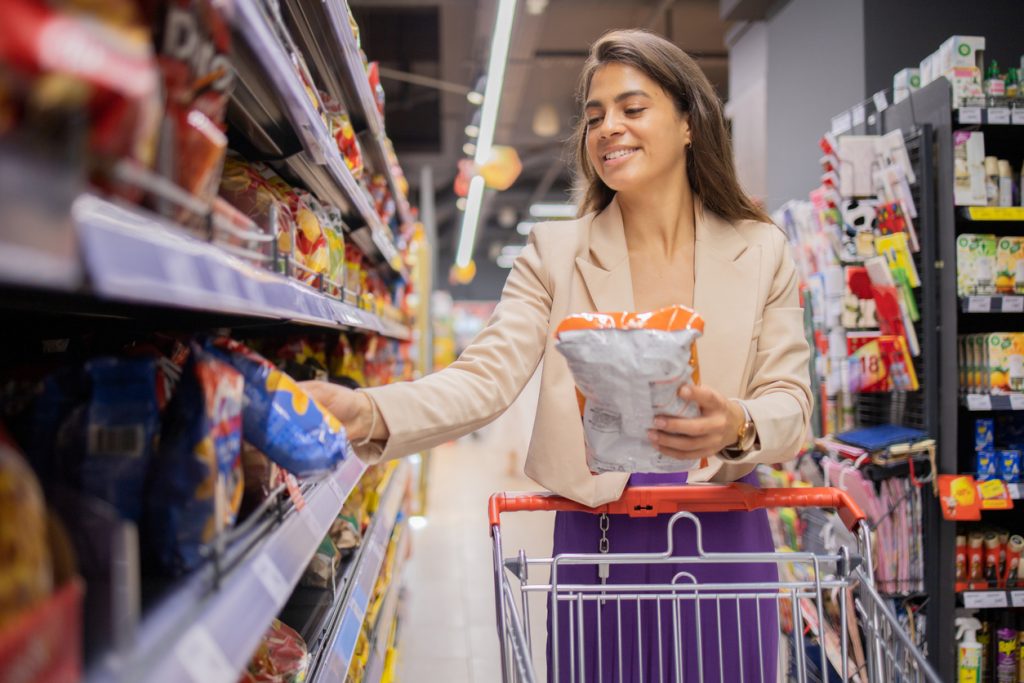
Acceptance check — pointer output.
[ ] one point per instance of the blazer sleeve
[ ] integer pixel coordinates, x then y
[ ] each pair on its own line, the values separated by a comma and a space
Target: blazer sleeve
486, 378
779, 394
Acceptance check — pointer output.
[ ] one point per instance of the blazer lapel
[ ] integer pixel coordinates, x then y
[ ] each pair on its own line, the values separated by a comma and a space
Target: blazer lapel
725, 294
607, 274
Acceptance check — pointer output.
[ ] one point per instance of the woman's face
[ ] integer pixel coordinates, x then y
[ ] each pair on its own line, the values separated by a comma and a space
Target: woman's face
636, 138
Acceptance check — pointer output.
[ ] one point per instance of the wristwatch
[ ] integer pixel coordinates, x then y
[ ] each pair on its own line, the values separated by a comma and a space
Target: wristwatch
746, 435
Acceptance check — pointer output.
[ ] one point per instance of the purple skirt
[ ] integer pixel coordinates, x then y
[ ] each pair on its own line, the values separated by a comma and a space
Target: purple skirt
729, 639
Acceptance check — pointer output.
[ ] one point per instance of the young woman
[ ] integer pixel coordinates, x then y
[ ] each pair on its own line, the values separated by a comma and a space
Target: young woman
663, 221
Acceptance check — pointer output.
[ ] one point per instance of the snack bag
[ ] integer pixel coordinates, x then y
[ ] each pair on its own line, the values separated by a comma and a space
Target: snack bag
245, 186
282, 657
340, 126
322, 570
197, 485
628, 369
279, 419
26, 569
260, 476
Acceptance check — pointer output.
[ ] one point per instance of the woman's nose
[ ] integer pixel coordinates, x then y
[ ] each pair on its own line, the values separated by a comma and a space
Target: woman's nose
611, 125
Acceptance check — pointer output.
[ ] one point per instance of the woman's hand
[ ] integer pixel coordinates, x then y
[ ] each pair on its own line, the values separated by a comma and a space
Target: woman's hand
698, 437
354, 409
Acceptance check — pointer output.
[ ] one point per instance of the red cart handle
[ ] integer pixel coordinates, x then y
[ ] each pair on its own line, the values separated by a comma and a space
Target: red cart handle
648, 501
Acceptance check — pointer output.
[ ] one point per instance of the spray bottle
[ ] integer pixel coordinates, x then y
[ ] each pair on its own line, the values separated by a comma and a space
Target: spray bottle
968, 660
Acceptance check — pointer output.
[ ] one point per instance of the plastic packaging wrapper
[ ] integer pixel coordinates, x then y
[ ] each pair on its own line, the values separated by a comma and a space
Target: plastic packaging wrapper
249, 189
26, 571
260, 476
282, 657
323, 568
628, 369
197, 486
280, 419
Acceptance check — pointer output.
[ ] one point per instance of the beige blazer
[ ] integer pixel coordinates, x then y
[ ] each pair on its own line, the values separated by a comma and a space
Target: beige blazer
753, 348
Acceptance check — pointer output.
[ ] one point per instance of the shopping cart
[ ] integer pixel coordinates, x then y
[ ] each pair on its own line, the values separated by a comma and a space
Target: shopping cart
834, 621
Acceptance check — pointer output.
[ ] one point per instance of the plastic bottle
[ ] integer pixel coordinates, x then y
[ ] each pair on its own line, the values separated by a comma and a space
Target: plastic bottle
1006, 652
1012, 83
992, 181
1005, 183
968, 658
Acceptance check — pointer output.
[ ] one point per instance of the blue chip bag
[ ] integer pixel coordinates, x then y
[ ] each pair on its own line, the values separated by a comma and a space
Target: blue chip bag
197, 486
122, 422
280, 419
1009, 465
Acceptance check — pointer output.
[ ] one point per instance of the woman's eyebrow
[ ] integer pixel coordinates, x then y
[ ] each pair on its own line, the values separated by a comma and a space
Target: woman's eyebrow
618, 98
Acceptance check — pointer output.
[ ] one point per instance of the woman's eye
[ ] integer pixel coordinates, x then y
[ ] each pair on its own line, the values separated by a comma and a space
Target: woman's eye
593, 121
633, 111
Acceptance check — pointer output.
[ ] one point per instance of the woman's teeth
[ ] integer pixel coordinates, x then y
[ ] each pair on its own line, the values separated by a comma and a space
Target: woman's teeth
618, 154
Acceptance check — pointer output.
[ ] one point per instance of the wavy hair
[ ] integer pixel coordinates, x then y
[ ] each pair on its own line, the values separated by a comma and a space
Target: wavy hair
709, 161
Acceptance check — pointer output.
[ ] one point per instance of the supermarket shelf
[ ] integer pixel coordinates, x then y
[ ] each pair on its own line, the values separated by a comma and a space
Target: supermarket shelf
380, 642
992, 304
334, 664
131, 255
990, 599
354, 88
991, 213
986, 402
206, 633
991, 116
319, 165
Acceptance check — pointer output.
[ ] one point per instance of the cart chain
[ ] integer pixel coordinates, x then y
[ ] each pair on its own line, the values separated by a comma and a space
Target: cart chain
603, 546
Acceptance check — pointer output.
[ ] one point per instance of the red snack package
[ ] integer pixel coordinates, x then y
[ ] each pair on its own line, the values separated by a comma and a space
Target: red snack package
282, 657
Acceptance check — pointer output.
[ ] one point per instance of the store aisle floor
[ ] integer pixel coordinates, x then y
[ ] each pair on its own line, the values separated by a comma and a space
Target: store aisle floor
448, 632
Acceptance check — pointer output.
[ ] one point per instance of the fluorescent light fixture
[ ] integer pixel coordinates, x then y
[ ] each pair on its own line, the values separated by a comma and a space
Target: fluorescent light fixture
475, 98
524, 227
512, 250
506, 261
469, 148
474, 201
553, 210
472, 131
460, 203
500, 40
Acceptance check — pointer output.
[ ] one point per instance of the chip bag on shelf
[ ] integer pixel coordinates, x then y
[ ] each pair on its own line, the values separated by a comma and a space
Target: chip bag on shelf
279, 418
339, 124
628, 369
196, 486
281, 657
247, 187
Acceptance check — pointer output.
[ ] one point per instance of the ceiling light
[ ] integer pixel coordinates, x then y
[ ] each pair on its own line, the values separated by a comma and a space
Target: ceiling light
507, 216
460, 203
512, 250
536, 7
501, 37
553, 210
474, 201
506, 261
472, 131
469, 148
545, 121
524, 227
475, 98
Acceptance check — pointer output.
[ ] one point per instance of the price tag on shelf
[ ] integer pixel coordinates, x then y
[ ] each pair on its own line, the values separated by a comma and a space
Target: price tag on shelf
999, 115
979, 402
203, 659
970, 114
985, 599
881, 103
1017, 116
842, 123
307, 517
859, 114
1015, 493
332, 483
1017, 401
271, 578
1017, 598
1013, 304
979, 304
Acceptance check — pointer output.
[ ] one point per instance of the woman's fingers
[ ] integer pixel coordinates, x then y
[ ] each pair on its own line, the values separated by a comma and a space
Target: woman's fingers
681, 443
691, 426
685, 455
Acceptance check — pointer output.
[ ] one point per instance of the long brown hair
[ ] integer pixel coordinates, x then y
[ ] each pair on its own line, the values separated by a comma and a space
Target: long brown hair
709, 164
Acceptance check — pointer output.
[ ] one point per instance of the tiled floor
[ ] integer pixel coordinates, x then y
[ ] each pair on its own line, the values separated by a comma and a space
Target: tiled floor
448, 632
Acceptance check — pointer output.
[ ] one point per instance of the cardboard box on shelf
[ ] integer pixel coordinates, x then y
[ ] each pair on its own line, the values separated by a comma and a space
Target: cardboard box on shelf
904, 82
1010, 265
965, 82
969, 168
960, 51
975, 265
1005, 362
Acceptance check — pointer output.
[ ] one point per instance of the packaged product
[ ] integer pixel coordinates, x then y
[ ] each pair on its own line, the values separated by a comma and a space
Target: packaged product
1009, 465
1005, 365
969, 168
341, 129
246, 187
281, 657
310, 242
194, 44
197, 485
628, 369
322, 570
975, 264
373, 76
260, 476
346, 531
280, 419
122, 424
26, 568
1010, 264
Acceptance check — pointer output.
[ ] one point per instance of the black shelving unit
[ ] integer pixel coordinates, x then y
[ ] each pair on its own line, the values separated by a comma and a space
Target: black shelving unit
946, 315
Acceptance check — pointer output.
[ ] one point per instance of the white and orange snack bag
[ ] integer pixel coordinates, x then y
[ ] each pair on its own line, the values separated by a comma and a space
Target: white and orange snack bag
628, 369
